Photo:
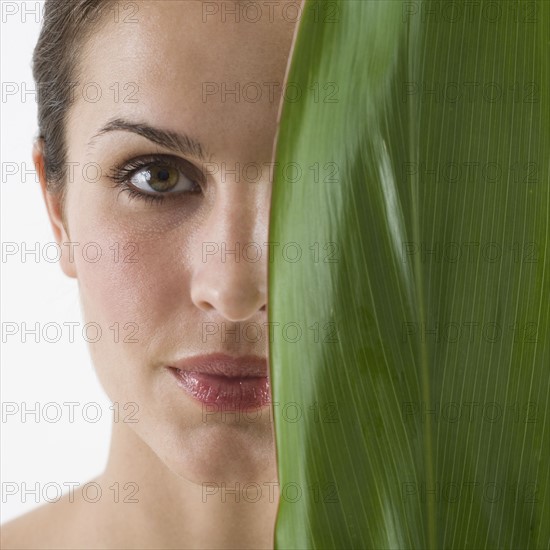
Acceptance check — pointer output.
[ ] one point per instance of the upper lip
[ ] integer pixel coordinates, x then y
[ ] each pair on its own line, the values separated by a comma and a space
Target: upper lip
246, 366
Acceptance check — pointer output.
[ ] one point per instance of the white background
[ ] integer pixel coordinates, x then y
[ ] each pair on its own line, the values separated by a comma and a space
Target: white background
34, 451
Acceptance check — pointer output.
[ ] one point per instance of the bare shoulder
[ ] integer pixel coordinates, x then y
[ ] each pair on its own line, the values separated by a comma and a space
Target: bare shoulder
51, 525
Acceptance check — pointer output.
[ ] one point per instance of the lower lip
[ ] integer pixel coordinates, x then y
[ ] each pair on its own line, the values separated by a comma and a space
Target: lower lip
229, 393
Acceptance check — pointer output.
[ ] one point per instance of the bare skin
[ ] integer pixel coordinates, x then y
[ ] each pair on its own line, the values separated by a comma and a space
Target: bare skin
176, 57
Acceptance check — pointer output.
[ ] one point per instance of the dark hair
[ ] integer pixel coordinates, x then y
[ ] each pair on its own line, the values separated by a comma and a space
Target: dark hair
67, 25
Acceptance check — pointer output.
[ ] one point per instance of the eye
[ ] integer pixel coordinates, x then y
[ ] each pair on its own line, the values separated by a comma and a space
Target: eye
158, 177
161, 178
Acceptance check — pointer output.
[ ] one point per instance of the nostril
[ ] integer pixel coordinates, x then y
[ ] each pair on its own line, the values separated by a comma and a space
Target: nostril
205, 305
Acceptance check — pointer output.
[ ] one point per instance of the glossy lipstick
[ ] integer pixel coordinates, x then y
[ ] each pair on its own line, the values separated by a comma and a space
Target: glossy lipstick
233, 383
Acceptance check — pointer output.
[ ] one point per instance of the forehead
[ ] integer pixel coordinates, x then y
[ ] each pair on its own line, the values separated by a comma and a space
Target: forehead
200, 65
214, 38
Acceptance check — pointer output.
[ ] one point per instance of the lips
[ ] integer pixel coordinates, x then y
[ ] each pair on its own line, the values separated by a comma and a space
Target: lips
230, 383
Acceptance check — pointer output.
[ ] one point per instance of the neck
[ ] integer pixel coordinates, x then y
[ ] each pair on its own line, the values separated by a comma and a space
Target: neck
173, 512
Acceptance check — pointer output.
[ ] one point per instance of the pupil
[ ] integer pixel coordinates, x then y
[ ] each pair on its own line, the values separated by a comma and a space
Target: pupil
163, 174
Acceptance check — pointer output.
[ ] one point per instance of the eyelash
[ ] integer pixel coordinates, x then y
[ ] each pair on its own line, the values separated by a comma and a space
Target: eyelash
121, 175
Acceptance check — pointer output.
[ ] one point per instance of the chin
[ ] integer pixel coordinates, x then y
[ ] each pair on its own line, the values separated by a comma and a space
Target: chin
214, 450
227, 452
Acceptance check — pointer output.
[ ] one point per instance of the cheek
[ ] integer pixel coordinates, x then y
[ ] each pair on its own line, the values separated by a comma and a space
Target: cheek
131, 283
132, 259
134, 282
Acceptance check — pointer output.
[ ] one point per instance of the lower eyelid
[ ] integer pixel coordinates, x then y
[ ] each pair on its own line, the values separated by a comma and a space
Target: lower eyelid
132, 194
135, 193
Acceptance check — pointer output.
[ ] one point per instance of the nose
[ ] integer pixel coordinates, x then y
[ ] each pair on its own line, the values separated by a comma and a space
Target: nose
230, 273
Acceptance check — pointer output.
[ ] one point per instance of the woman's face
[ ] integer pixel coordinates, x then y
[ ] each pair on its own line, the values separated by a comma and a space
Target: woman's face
167, 286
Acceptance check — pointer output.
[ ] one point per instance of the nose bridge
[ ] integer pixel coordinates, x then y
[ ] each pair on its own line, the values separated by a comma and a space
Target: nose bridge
231, 274
235, 243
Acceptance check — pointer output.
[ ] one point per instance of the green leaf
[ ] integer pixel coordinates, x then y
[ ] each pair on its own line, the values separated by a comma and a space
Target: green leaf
412, 410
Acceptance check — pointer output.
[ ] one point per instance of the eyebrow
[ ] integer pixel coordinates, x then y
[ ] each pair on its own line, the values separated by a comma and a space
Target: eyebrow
175, 141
